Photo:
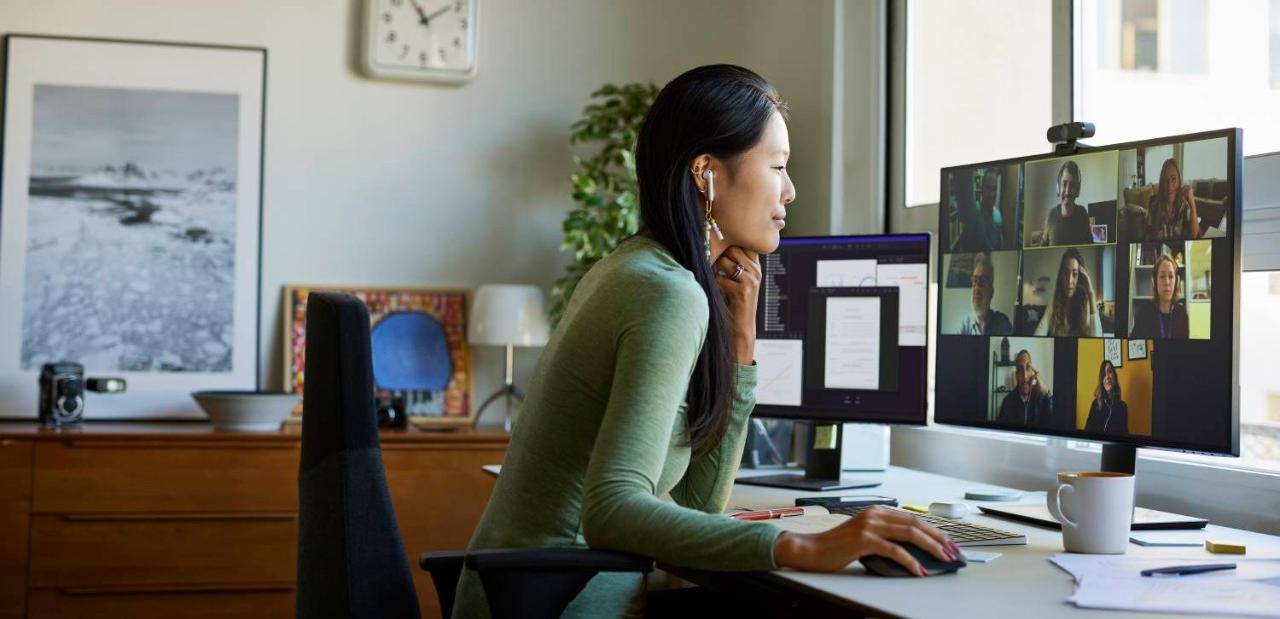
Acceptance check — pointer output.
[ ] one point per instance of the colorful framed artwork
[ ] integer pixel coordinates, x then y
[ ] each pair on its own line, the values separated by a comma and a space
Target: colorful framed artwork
130, 220
421, 361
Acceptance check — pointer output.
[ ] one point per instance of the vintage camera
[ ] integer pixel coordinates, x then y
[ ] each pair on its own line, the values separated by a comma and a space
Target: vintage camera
62, 388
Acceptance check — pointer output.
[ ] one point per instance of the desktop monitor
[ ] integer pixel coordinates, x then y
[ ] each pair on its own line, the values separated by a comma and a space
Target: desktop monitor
841, 336
1094, 295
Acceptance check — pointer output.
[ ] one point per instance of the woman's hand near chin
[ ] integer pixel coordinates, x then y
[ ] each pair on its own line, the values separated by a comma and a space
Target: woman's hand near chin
741, 293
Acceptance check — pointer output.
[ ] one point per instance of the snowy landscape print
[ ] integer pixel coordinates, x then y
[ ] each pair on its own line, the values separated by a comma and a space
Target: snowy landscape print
131, 230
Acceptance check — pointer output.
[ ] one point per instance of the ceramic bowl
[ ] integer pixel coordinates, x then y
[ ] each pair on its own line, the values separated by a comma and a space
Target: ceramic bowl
246, 411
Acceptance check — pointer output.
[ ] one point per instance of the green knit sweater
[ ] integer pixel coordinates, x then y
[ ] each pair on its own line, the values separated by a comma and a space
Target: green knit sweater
602, 437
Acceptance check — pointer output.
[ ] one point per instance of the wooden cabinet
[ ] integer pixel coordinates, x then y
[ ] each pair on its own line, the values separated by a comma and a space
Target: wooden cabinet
15, 513
176, 520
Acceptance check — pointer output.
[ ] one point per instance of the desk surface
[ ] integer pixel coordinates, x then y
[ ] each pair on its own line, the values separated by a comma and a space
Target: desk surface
1021, 583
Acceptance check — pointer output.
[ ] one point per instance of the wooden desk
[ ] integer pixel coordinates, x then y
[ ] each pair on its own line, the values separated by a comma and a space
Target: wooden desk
180, 520
1022, 583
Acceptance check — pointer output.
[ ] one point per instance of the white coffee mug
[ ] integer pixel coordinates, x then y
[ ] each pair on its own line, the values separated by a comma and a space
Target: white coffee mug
1095, 509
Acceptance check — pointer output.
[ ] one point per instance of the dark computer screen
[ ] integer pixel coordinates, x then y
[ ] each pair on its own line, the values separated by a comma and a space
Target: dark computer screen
1095, 295
841, 329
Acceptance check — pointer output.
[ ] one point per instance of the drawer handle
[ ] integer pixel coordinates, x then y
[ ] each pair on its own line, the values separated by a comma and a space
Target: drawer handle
182, 516
209, 588
7, 442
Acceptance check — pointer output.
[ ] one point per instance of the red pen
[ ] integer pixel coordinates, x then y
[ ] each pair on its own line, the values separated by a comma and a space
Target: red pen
769, 514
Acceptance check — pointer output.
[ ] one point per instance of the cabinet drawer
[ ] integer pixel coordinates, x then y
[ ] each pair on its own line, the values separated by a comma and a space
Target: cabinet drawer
15, 470
171, 603
97, 476
139, 549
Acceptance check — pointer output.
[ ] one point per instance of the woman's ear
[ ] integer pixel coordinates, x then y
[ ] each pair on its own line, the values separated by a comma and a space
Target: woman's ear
699, 168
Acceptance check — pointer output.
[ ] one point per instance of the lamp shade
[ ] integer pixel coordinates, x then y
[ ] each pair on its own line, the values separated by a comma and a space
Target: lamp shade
508, 315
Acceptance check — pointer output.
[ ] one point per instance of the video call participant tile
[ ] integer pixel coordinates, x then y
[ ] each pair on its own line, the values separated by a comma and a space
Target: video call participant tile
1171, 290
1067, 292
1175, 192
979, 293
1114, 380
1070, 200
981, 203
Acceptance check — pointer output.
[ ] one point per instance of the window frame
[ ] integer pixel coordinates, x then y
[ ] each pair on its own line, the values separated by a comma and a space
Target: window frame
1226, 493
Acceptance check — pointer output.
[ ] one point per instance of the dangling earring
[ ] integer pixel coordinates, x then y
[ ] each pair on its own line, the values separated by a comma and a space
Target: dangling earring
710, 223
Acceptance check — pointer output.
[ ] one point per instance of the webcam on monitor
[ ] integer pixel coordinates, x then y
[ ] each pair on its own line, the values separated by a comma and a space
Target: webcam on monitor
1068, 132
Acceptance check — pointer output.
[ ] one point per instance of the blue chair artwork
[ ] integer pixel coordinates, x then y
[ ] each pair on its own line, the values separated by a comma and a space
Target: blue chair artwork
411, 359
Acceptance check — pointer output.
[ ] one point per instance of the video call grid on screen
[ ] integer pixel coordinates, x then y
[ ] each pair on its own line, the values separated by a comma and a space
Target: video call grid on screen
851, 276
1062, 274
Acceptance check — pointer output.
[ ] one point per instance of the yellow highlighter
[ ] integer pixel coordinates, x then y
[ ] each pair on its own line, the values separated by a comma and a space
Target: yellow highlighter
915, 508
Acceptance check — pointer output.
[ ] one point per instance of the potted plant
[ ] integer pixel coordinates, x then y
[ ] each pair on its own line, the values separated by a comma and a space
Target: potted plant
605, 184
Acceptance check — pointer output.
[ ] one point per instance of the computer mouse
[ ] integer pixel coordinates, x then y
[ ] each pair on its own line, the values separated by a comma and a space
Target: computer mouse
884, 566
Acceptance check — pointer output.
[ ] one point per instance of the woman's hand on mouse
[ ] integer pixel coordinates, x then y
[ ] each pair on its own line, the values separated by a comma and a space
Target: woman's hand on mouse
741, 293
873, 531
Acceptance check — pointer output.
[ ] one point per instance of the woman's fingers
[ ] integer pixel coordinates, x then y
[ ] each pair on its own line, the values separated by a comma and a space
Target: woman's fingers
918, 536
902, 518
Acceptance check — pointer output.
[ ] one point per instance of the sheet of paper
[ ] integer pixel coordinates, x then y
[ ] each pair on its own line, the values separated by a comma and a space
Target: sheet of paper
912, 281
852, 343
778, 371
1084, 567
846, 273
1180, 594
1111, 352
979, 556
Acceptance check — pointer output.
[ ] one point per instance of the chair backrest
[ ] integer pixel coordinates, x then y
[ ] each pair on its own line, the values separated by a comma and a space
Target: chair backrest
351, 560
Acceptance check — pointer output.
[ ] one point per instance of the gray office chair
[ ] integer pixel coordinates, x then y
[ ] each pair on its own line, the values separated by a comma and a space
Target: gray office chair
537, 583
351, 560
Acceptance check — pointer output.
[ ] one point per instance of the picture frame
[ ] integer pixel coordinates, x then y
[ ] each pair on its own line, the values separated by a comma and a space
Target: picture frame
451, 405
1137, 350
130, 219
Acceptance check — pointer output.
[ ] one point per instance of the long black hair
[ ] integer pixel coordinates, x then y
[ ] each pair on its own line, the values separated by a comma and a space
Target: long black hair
721, 110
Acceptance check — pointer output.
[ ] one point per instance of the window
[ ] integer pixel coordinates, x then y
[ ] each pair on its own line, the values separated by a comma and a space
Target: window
970, 96
1147, 68
1275, 43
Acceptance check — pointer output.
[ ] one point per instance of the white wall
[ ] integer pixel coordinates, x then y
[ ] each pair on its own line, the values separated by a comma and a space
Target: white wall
391, 183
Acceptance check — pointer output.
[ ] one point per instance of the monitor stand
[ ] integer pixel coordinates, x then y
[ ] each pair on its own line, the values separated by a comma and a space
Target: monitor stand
1119, 458
821, 471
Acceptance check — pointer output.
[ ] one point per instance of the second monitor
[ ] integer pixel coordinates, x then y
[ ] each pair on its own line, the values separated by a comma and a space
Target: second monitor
841, 337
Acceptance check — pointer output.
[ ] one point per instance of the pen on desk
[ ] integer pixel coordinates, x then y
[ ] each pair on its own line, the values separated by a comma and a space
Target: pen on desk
769, 514
1183, 570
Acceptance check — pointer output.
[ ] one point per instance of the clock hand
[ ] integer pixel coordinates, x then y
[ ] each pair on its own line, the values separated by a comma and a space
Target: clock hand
432, 16
422, 15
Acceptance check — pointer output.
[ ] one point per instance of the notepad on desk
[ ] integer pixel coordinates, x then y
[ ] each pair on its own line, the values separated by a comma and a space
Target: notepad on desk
1193, 538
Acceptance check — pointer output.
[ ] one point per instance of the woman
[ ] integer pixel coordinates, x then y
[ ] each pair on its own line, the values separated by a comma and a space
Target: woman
647, 383
1164, 317
1172, 213
1108, 414
1072, 312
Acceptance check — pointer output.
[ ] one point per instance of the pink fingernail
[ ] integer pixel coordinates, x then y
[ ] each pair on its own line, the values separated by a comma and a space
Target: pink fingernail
920, 570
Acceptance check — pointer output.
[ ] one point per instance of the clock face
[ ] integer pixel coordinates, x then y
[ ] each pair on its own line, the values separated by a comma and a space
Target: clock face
428, 39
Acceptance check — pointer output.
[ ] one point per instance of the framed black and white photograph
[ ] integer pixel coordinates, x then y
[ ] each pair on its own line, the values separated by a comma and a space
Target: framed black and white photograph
130, 219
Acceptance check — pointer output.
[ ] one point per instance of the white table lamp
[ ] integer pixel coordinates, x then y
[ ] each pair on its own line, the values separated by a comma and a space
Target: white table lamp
510, 316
